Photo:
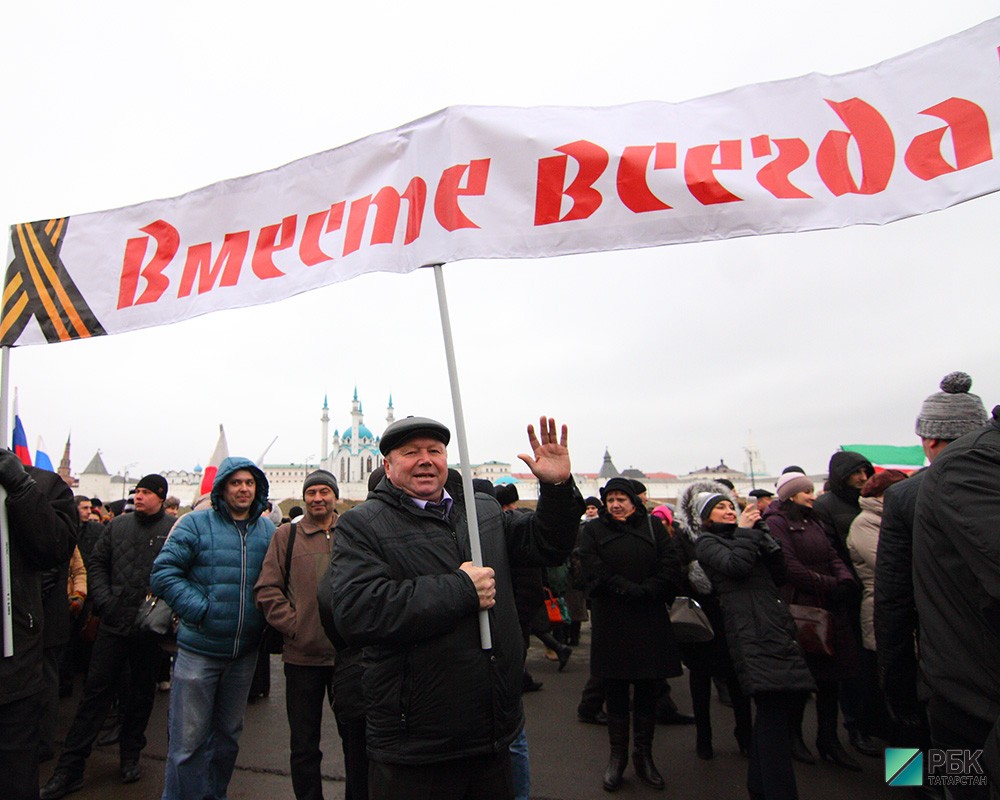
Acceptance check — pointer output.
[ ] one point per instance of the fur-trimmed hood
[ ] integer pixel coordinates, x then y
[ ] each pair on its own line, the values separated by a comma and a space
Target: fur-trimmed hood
687, 516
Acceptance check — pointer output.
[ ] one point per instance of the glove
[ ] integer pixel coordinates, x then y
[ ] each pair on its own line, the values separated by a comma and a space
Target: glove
75, 604
13, 476
769, 546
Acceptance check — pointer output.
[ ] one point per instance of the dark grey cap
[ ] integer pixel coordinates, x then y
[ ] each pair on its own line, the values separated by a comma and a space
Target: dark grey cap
321, 477
402, 430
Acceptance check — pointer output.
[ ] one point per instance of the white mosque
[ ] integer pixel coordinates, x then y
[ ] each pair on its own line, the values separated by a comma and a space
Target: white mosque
355, 454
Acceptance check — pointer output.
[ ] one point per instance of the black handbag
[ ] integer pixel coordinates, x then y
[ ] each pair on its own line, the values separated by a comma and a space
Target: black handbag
271, 639
154, 617
689, 622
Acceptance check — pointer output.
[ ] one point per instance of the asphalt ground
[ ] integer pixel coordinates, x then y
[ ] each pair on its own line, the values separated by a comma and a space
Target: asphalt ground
567, 757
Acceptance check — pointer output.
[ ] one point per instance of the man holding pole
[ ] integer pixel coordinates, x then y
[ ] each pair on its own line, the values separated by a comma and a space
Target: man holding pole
41, 528
441, 709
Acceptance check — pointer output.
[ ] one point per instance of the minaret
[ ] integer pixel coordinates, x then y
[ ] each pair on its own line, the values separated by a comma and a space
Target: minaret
755, 465
390, 417
355, 421
325, 427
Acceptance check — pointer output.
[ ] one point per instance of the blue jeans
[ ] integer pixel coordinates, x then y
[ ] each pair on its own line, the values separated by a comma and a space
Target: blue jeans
208, 698
520, 768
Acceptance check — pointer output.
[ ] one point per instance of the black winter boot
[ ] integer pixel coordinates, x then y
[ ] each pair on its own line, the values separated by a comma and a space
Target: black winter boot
642, 754
703, 742
618, 737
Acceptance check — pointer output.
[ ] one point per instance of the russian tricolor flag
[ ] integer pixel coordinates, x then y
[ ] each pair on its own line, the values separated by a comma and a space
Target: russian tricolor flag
20, 443
42, 460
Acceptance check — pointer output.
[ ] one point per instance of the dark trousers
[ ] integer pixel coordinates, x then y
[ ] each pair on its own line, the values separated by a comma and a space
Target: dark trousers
110, 655
826, 712
592, 699
953, 729
484, 777
770, 773
701, 701
51, 661
306, 694
352, 737
19, 733
643, 697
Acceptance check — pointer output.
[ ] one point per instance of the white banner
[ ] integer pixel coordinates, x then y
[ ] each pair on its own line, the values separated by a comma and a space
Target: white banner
911, 135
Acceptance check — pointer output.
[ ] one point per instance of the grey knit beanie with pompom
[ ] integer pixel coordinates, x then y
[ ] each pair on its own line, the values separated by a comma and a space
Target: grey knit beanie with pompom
952, 412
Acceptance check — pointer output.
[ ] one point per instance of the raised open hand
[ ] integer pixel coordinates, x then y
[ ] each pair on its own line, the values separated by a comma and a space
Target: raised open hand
550, 460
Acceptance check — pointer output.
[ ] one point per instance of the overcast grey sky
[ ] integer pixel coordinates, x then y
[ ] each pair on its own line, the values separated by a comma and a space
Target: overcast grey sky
667, 356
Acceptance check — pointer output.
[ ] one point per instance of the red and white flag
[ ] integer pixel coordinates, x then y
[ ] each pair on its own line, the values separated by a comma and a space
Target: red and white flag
219, 454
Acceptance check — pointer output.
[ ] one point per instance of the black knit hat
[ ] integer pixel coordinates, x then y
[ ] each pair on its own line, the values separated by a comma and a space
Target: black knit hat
620, 484
157, 484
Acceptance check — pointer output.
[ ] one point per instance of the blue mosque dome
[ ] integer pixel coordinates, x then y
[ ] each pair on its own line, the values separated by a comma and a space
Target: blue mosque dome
363, 433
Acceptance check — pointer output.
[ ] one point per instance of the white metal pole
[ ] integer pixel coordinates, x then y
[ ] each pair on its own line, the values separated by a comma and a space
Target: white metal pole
5, 585
463, 449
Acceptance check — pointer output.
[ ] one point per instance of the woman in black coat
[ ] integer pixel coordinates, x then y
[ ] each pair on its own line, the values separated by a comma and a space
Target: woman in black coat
744, 563
707, 660
631, 571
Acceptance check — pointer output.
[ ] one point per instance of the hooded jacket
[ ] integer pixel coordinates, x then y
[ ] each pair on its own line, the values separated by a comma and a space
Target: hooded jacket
837, 508
432, 693
207, 569
688, 526
763, 642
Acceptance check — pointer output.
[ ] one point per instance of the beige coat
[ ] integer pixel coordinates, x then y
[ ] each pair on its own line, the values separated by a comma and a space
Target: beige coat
76, 580
862, 543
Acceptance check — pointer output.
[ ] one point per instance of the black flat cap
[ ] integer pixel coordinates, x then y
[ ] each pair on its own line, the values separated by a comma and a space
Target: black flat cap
402, 430
760, 493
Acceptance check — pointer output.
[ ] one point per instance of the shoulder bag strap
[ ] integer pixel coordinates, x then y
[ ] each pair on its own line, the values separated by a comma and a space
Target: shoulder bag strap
288, 558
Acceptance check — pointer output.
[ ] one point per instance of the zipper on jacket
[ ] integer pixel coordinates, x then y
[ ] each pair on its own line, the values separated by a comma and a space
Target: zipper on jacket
404, 696
243, 585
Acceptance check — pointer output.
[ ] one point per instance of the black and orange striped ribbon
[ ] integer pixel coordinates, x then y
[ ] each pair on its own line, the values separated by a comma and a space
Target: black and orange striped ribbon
38, 285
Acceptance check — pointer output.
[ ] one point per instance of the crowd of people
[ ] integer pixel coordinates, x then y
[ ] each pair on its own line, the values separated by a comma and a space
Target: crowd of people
410, 614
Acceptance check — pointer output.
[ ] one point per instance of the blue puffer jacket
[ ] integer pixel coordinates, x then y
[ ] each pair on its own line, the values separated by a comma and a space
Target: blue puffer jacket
207, 569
